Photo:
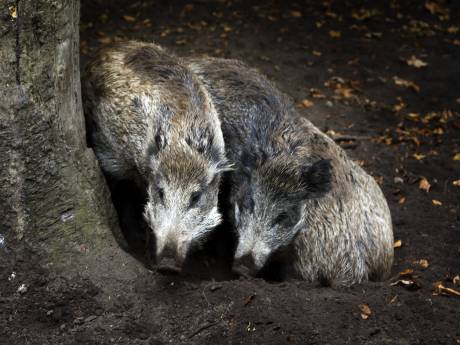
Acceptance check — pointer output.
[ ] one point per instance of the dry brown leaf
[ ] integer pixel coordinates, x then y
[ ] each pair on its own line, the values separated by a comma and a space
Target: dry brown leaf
453, 29
402, 200
378, 179
129, 18
393, 299
315, 93
317, 53
424, 185
397, 244
440, 289
438, 9
438, 131
105, 40
13, 12
456, 157
296, 14
406, 83
335, 34
307, 104
456, 280
363, 14
415, 62
436, 202
419, 156
456, 183
406, 272
249, 299
407, 283
365, 311
423, 263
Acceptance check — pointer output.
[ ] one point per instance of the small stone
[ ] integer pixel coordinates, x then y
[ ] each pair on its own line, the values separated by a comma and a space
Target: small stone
22, 289
398, 179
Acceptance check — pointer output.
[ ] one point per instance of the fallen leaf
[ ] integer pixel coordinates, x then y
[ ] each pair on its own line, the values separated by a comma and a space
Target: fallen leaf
365, 311
415, 62
436, 202
456, 183
436, 8
456, 280
249, 299
424, 185
397, 244
105, 40
407, 283
335, 34
406, 272
317, 53
296, 14
378, 179
423, 263
413, 117
418, 156
13, 12
440, 289
307, 104
315, 93
393, 299
363, 14
406, 83
438, 131
456, 157
129, 18
453, 29
402, 200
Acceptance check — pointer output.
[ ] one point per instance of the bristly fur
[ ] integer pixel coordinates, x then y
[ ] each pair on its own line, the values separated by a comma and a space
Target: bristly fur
293, 189
151, 120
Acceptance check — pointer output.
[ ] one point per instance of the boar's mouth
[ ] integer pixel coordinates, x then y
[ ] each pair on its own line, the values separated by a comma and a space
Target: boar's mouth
167, 266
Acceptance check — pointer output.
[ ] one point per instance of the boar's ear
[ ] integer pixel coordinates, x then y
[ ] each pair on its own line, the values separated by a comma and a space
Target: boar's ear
317, 178
158, 143
155, 146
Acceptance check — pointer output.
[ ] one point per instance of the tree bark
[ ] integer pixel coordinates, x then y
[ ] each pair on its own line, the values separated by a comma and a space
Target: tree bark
54, 202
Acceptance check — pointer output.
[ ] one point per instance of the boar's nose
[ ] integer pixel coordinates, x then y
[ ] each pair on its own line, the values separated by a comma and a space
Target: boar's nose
245, 265
169, 260
168, 251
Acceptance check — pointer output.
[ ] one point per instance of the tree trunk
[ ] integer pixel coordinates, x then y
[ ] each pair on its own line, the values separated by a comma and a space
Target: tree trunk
53, 199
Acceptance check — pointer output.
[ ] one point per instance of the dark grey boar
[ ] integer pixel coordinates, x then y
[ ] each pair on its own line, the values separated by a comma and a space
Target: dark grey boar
295, 194
151, 121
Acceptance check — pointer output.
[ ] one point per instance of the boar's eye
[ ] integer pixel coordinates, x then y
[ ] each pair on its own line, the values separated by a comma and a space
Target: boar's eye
281, 218
194, 198
161, 194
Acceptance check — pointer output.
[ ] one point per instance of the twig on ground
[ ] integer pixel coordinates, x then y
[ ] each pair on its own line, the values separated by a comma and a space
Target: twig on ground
202, 328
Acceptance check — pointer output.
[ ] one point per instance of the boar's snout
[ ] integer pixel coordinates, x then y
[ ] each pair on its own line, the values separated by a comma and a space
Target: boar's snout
170, 256
245, 265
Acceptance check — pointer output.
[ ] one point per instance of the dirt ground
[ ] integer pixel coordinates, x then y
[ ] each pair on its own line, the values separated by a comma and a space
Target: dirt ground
383, 79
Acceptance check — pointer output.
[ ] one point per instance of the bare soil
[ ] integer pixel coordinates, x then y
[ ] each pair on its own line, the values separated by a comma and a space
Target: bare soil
347, 65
